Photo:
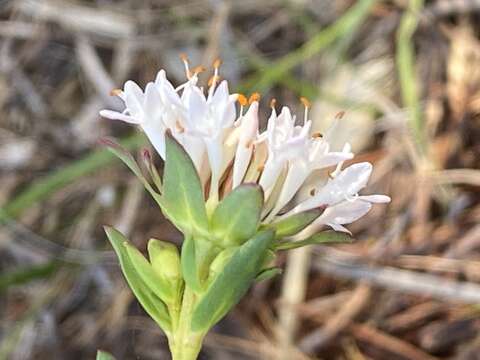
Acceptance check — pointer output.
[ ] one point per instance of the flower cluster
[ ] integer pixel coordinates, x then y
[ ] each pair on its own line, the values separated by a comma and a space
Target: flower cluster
227, 148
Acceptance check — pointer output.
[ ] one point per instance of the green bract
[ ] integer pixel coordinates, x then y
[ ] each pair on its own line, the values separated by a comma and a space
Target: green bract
296, 223
224, 250
237, 217
183, 200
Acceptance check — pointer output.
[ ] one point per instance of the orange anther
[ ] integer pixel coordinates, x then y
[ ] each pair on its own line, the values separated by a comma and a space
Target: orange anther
242, 99
213, 79
254, 97
305, 102
217, 63
317, 135
198, 69
340, 115
115, 92
184, 57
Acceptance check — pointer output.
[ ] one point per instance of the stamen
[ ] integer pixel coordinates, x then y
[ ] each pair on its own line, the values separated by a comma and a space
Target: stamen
198, 69
184, 59
242, 100
307, 105
213, 80
217, 63
115, 92
305, 102
317, 135
273, 102
254, 97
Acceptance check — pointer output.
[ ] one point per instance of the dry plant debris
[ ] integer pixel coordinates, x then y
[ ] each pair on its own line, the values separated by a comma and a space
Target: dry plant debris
406, 289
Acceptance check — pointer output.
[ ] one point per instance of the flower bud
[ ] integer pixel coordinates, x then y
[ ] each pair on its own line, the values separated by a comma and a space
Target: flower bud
165, 260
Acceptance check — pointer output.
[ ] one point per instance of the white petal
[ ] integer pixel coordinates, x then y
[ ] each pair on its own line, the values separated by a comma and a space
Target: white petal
346, 149
133, 98
115, 115
330, 159
240, 165
194, 146
352, 179
377, 199
338, 227
197, 109
155, 131
221, 94
297, 173
214, 152
336, 216
167, 92
248, 131
152, 103
345, 213
270, 175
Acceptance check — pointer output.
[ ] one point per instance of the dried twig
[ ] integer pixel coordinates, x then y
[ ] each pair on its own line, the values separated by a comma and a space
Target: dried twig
338, 321
342, 265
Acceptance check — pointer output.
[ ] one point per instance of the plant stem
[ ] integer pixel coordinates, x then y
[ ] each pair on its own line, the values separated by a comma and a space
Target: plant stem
184, 343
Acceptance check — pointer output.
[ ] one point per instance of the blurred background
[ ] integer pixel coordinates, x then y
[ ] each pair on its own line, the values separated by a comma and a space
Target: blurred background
406, 74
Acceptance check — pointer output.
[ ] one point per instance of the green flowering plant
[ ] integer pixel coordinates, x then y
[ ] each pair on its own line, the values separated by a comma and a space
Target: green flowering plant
234, 194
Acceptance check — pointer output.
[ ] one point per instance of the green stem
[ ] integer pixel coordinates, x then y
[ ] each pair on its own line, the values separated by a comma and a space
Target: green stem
184, 343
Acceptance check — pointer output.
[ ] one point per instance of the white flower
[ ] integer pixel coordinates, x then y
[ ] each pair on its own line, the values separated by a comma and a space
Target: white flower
143, 109
316, 156
285, 142
229, 150
209, 119
347, 212
341, 196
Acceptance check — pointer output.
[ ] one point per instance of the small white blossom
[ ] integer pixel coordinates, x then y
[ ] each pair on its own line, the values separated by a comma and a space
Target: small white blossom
341, 196
285, 141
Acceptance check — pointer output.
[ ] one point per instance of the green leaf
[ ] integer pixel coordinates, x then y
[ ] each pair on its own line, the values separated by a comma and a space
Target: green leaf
237, 217
154, 282
128, 160
268, 274
189, 264
320, 238
233, 282
296, 223
103, 355
150, 302
183, 199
